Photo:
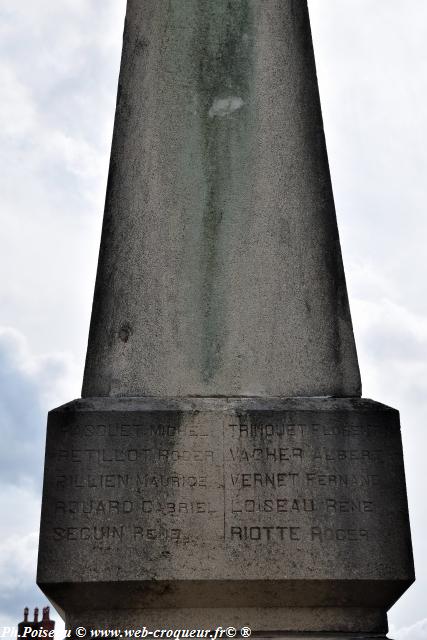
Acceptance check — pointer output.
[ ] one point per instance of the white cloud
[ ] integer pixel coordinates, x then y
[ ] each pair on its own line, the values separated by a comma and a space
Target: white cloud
17, 112
370, 60
418, 631
58, 71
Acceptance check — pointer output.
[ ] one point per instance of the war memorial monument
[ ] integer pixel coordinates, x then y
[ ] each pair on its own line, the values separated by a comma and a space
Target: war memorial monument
221, 467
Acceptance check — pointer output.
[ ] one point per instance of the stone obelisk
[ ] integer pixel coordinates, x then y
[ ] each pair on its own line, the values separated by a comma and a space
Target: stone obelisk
221, 468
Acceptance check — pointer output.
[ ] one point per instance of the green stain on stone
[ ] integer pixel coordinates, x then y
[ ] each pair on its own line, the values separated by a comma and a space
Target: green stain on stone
223, 53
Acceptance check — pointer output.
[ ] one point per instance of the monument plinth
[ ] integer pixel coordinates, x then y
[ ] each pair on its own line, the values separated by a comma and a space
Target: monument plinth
221, 467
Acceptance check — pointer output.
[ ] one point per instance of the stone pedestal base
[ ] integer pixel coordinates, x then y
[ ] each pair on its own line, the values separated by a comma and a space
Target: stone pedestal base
261, 620
285, 515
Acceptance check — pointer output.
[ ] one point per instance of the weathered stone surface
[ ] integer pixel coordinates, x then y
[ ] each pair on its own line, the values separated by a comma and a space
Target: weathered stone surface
220, 269
189, 489
202, 618
288, 514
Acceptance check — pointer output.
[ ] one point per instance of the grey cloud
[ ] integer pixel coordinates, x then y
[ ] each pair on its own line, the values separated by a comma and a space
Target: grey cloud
21, 419
26, 382
28, 386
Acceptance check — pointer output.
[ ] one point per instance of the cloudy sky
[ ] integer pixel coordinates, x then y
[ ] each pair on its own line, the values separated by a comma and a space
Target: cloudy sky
58, 74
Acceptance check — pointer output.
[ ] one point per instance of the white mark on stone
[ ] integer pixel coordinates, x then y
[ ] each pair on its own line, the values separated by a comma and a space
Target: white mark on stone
225, 106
